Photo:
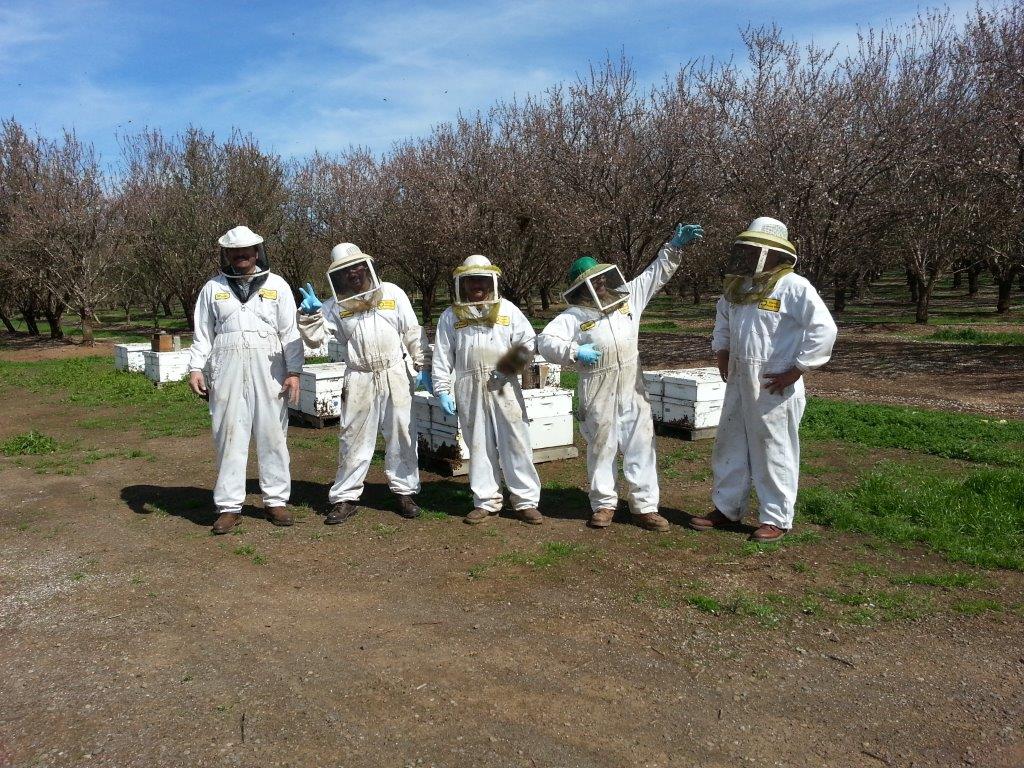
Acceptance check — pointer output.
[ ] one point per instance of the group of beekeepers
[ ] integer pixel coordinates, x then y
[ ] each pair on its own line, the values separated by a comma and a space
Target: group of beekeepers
771, 327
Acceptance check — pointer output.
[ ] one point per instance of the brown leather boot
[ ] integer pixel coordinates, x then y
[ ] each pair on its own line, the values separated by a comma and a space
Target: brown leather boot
651, 521
768, 532
601, 518
340, 512
714, 520
279, 515
530, 516
476, 517
225, 522
408, 508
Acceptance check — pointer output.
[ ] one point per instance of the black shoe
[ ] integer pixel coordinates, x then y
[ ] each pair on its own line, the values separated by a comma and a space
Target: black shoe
407, 507
340, 512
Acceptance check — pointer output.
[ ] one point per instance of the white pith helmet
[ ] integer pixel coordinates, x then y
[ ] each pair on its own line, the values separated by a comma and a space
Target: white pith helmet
239, 237
476, 266
346, 253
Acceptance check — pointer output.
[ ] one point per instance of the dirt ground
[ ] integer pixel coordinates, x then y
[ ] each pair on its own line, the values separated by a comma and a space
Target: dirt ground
133, 638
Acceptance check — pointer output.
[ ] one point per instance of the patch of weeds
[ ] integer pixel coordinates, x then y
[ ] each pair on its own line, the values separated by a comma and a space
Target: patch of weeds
671, 541
891, 605
671, 473
790, 540
77, 576
944, 580
705, 604
154, 509
800, 567
137, 581
62, 465
302, 512
972, 336
248, 550
975, 518
974, 607
385, 530
810, 607
813, 470
701, 475
258, 559
659, 326
434, 514
32, 443
551, 553
319, 536
761, 609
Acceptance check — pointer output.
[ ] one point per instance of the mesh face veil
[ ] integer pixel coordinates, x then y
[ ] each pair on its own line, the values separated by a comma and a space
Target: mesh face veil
354, 280
602, 288
476, 289
746, 277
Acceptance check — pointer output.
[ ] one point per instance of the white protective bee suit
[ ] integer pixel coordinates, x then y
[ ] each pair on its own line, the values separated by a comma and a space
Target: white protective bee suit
614, 412
248, 350
492, 418
377, 346
758, 440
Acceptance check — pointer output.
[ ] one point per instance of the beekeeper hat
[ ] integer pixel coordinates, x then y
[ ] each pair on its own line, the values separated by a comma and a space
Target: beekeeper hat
767, 232
347, 253
583, 268
239, 237
476, 265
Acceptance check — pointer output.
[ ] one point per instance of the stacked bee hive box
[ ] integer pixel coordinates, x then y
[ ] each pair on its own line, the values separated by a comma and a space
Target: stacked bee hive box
442, 446
128, 357
320, 387
162, 367
686, 400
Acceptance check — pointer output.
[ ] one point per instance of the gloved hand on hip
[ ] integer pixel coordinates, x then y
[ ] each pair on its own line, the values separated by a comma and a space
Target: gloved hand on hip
588, 354
310, 303
685, 234
447, 403
423, 381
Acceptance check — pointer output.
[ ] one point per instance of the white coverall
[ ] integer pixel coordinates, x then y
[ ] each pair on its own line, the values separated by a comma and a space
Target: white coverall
614, 412
493, 420
758, 437
248, 348
377, 395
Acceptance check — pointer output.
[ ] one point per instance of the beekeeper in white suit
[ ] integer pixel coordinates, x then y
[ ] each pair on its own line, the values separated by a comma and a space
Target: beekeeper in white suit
771, 328
245, 335
598, 333
379, 335
481, 343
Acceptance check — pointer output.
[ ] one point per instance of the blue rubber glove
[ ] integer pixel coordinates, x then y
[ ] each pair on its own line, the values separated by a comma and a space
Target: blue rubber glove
588, 354
447, 403
423, 381
310, 303
685, 234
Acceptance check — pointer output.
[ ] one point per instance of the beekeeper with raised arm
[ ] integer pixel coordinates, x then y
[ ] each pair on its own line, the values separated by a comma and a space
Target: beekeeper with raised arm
379, 335
771, 328
245, 335
598, 333
482, 341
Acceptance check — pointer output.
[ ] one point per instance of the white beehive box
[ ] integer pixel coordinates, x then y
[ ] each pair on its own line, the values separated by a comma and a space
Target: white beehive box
695, 384
162, 367
320, 388
335, 350
657, 407
693, 415
128, 357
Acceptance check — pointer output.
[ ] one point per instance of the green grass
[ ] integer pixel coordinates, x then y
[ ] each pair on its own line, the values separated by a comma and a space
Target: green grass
659, 326
31, 443
976, 518
938, 433
972, 336
551, 553
974, 607
90, 382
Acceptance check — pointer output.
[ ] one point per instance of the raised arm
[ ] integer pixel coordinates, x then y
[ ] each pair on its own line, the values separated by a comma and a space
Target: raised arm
646, 285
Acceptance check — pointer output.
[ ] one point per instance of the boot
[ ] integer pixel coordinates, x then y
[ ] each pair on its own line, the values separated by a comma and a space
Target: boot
226, 522
279, 515
407, 507
651, 521
768, 532
530, 516
477, 516
715, 519
601, 518
340, 512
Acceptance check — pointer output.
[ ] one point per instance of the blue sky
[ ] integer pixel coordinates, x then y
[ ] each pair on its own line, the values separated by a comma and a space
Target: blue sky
325, 75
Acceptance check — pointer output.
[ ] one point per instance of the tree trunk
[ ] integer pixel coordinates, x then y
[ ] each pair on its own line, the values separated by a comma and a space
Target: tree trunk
156, 315
88, 339
29, 315
958, 279
838, 295
127, 307
1005, 286
7, 322
545, 297
913, 283
53, 318
924, 298
166, 304
427, 304
695, 292
972, 280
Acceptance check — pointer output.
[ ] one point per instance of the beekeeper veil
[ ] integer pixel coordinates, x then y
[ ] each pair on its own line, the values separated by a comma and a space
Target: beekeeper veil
747, 279
595, 285
476, 290
244, 284
353, 279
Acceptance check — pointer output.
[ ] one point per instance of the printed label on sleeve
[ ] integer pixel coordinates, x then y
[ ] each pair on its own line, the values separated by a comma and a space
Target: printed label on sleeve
588, 325
503, 320
772, 305
221, 295
269, 293
387, 304
624, 310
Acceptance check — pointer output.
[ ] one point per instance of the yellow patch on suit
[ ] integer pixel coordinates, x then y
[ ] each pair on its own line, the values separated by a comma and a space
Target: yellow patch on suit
221, 295
624, 309
588, 325
499, 320
387, 304
268, 293
771, 305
